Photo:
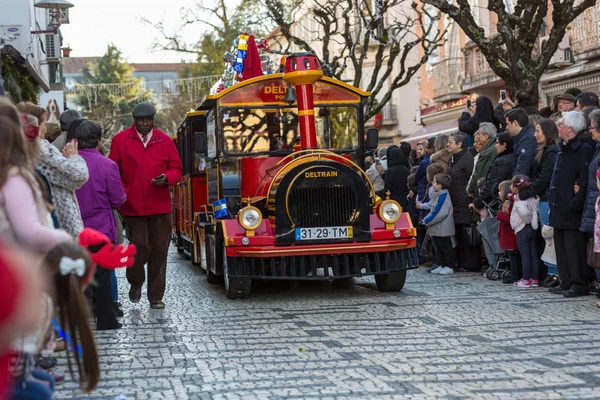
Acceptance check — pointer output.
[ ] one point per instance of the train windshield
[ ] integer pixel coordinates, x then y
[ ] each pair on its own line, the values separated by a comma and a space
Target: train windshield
275, 130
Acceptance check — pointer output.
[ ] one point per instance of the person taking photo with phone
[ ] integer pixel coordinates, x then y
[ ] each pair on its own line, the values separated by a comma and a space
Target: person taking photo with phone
474, 115
505, 104
148, 163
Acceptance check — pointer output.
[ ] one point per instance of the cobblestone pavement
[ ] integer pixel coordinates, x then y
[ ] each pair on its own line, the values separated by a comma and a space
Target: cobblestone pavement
446, 337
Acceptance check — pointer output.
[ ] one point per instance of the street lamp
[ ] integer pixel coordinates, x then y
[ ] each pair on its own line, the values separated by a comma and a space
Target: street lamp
54, 7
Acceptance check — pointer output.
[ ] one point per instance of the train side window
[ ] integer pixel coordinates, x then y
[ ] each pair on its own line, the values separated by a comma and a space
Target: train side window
337, 127
199, 145
259, 130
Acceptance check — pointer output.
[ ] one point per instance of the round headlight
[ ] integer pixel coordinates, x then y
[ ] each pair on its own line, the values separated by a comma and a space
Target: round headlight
390, 211
250, 217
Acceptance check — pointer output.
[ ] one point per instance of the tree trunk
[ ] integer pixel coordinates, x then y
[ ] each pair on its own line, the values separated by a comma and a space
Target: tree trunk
521, 79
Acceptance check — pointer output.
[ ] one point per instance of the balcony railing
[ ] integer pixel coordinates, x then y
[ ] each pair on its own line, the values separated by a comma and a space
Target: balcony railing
390, 116
390, 112
447, 77
477, 70
585, 33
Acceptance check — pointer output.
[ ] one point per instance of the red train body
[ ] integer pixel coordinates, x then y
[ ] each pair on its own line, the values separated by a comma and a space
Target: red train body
273, 186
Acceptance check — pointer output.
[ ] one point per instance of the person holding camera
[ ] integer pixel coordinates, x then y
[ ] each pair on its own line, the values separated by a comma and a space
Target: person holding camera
475, 115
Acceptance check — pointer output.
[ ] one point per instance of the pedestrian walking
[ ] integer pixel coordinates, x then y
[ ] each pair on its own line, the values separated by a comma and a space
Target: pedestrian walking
149, 163
102, 193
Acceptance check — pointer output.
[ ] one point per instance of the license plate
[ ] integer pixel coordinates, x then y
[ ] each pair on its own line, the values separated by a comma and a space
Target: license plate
334, 232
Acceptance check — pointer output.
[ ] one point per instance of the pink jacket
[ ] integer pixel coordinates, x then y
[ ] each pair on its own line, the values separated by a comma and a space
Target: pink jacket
24, 217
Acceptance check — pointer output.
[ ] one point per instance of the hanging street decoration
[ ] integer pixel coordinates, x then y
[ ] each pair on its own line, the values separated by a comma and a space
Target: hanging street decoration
246, 59
194, 88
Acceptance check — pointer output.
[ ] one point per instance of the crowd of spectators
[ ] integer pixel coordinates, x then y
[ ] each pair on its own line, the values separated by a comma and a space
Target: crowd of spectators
535, 170
60, 236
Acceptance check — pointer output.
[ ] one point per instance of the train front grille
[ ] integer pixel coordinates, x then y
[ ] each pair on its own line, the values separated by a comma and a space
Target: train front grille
312, 207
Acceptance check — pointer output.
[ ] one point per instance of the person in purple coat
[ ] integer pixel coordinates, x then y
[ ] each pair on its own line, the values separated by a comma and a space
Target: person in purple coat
97, 198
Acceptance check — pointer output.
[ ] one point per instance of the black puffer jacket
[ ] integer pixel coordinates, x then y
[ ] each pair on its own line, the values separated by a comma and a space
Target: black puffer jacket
460, 170
541, 173
571, 167
589, 211
501, 170
396, 176
484, 112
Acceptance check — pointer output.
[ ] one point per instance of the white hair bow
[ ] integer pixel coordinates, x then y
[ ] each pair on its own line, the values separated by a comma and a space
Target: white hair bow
69, 266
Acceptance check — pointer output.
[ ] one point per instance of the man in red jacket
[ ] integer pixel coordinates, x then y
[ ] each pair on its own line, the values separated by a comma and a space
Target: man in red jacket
149, 163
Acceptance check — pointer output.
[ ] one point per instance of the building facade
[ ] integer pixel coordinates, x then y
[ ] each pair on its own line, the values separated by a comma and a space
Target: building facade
461, 72
162, 79
584, 48
150, 72
34, 55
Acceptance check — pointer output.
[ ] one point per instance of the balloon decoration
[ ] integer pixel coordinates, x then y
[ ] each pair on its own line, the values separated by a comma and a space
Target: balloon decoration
236, 60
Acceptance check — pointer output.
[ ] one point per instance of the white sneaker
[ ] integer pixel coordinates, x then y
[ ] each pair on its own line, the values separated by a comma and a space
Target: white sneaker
446, 271
437, 270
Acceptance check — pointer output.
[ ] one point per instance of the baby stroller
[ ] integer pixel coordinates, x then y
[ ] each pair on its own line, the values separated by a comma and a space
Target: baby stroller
498, 259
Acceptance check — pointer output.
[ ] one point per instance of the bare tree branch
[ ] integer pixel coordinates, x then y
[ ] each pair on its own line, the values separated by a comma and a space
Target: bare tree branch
357, 38
509, 50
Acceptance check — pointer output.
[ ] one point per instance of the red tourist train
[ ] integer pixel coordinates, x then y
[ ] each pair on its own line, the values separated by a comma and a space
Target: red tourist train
274, 187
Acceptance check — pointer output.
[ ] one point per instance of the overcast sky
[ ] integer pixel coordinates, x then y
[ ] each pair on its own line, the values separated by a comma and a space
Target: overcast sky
95, 24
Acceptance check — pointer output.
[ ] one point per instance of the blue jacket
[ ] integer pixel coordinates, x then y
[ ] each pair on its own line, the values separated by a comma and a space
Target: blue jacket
589, 211
421, 177
440, 220
525, 151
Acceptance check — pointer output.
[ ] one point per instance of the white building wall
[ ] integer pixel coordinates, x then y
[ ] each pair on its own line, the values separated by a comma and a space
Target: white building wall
17, 19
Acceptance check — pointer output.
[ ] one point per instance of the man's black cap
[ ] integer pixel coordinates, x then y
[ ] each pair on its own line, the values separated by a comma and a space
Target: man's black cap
143, 110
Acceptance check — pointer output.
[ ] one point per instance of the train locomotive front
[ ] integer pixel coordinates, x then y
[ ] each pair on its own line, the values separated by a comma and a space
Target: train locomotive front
314, 214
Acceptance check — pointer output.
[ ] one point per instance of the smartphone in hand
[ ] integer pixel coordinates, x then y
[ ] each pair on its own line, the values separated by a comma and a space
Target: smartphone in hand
503, 94
469, 103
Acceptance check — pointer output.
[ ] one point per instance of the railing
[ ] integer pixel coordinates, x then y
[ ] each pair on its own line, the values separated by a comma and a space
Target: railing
585, 31
447, 78
390, 112
477, 70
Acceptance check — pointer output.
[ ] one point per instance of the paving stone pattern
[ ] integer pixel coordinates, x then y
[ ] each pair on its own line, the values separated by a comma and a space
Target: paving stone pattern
446, 337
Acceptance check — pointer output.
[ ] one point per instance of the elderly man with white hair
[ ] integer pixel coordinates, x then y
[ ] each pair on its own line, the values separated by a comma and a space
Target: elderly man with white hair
486, 141
566, 206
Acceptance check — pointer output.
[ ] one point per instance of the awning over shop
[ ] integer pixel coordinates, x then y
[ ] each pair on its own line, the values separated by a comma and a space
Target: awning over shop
431, 130
32, 68
37, 76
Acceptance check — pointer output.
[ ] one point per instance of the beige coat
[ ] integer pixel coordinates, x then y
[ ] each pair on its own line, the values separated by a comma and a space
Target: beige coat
442, 158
